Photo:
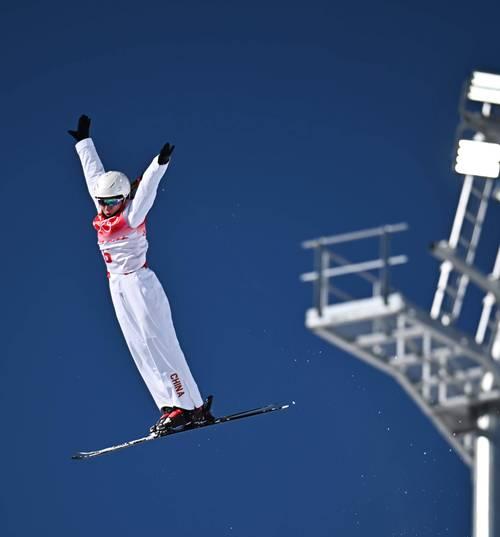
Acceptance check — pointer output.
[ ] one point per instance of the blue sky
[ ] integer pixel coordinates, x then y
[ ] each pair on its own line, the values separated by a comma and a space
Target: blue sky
290, 121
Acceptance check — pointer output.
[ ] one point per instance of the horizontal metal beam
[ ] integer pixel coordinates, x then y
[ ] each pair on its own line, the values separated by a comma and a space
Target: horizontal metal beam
442, 250
382, 338
457, 340
355, 235
467, 401
354, 268
458, 377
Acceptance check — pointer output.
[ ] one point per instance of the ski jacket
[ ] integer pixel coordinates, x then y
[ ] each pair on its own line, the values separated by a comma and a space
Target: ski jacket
122, 237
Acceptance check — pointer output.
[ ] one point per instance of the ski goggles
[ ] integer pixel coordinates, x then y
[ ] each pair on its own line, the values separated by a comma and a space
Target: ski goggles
109, 202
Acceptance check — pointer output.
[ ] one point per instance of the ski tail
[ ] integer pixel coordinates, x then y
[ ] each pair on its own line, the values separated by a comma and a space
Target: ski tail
89, 454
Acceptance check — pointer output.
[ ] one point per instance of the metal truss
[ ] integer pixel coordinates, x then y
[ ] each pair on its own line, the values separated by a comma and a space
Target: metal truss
450, 376
453, 377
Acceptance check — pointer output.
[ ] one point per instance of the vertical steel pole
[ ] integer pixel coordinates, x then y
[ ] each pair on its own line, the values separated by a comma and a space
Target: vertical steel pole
325, 282
321, 263
384, 271
487, 476
317, 283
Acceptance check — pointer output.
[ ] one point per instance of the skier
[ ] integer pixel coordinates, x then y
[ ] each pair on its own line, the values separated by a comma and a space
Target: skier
140, 303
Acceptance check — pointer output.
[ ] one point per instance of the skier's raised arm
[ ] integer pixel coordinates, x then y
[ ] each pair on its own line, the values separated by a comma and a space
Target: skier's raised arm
148, 186
91, 163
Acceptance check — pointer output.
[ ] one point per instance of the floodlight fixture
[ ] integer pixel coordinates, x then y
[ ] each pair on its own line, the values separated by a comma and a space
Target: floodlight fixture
484, 88
478, 158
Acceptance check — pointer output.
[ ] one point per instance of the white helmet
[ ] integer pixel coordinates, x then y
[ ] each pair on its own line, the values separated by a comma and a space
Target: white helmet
112, 184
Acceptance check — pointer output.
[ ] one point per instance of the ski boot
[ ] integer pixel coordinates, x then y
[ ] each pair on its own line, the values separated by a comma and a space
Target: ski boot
202, 414
173, 417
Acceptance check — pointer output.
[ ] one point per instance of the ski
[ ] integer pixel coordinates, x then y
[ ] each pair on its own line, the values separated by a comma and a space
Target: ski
200, 425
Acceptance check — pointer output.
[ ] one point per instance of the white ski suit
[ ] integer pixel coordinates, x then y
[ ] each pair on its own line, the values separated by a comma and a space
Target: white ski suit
141, 306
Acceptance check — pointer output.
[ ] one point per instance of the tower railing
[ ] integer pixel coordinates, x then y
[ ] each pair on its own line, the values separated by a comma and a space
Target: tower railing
329, 265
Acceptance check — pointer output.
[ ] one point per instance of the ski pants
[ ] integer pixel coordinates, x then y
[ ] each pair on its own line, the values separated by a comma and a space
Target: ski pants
145, 318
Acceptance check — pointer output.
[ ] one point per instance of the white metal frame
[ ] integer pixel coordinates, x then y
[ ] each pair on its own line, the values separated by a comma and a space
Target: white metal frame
453, 377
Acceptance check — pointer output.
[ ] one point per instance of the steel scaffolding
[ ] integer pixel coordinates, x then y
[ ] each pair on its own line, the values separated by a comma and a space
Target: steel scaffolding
453, 377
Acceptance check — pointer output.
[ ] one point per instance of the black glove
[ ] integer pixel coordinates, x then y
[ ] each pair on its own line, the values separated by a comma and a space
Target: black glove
83, 129
165, 153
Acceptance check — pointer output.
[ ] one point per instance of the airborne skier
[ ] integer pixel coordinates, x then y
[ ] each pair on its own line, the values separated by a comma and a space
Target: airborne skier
140, 303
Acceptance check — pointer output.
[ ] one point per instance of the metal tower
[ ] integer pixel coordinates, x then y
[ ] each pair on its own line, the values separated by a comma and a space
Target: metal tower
453, 377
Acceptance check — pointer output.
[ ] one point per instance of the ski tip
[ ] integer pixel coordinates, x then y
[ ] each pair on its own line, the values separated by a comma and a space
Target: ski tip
286, 405
82, 455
